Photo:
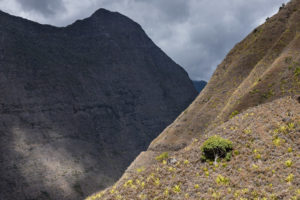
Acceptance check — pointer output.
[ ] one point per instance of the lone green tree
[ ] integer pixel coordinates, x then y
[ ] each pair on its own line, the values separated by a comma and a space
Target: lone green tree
216, 147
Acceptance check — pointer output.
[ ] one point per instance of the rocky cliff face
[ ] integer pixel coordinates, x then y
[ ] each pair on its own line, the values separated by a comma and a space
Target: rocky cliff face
78, 103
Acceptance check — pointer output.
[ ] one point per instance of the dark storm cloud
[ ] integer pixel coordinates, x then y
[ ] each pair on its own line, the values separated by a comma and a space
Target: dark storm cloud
197, 34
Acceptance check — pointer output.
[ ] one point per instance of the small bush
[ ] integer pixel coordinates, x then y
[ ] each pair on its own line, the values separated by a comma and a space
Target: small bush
282, 6
162, 156
221, 180
216, 147
289, 178
176, 189
288, 163
297, 71
233, 114
228, 156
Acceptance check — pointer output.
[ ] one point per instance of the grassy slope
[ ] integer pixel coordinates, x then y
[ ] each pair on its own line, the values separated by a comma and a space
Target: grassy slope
257, 70
260, 69
264, 138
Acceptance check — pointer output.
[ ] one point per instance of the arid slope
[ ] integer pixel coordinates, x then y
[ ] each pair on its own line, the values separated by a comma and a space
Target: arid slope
265, 162
259, 69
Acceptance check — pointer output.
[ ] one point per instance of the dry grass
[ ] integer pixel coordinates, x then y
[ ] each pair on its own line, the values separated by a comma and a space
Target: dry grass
259, 69
265, 164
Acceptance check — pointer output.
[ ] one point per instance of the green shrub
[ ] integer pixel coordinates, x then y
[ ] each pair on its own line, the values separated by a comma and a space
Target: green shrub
228, 156
216, 147
162, 156
221, 180
233, 114
297, 71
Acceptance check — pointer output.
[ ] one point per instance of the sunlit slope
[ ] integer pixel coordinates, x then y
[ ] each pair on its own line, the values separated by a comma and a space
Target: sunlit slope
265, 162
261, 68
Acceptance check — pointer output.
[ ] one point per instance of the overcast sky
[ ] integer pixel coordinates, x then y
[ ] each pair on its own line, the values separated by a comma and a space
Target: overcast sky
197, 34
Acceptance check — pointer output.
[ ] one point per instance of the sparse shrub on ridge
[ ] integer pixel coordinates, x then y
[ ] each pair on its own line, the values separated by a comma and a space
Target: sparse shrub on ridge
162, 156
216, 147
282, 6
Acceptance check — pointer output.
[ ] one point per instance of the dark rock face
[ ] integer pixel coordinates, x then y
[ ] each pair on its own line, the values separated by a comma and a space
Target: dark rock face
78, 103
199, 85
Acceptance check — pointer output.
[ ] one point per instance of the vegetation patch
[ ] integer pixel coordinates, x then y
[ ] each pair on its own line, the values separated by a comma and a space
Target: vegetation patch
162, 156
297, 71
233, 114
216, 147
264, 143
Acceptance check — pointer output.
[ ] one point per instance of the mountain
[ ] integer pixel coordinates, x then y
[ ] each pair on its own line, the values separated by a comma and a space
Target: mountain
252, 102
78, 103
199, 85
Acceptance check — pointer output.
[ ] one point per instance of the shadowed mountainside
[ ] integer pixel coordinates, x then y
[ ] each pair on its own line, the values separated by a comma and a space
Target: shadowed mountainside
199, 85
260, 78
79, 103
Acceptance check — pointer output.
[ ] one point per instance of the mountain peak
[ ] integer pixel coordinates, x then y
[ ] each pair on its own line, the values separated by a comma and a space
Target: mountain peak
105, 21
105, 14
100, 84
102, 11
109, 19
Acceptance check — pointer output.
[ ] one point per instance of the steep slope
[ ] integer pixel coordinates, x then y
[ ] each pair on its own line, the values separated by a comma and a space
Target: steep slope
79, 103
262, 68
259, 69
265, 164
199, 85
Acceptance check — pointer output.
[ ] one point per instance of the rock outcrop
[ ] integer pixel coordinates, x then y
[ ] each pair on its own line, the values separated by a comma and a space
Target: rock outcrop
78, 103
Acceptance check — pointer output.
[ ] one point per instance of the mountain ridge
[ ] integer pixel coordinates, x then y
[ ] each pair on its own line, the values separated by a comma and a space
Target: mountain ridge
80, 102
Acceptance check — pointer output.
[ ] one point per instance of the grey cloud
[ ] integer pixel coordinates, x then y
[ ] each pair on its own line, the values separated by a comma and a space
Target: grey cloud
170, 10
197, 34
43, 7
